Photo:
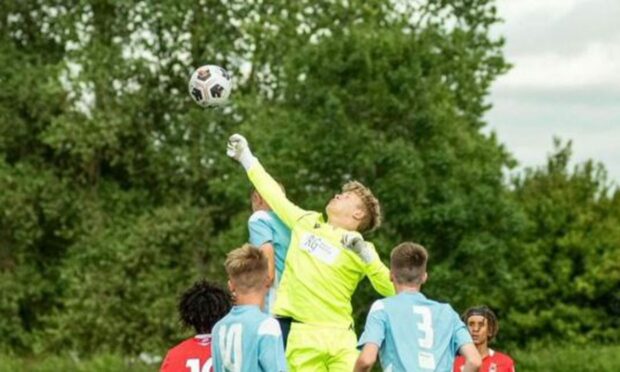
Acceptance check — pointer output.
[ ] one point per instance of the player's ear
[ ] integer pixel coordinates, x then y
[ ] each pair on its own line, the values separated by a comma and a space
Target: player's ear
255, 200
231, 287
359, 214
424, 278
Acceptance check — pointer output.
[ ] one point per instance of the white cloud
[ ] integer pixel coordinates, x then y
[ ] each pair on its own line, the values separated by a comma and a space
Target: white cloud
554, 9
597, 64
565, 81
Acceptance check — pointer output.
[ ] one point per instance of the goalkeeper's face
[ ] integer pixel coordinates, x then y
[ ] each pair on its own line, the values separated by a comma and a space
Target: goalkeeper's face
346, 205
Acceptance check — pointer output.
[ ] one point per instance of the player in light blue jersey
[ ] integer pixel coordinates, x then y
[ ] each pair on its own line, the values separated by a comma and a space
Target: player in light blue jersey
409, 331
247, 339
272, 236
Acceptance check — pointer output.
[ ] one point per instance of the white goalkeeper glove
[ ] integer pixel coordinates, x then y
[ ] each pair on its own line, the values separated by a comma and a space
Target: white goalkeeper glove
355, 242
239, 150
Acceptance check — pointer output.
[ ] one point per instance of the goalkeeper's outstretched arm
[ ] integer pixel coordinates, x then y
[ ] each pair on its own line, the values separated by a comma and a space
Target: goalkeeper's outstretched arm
375, 270
266, 186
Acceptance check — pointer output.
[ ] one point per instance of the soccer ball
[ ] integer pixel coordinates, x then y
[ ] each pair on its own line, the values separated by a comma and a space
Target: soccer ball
210, 86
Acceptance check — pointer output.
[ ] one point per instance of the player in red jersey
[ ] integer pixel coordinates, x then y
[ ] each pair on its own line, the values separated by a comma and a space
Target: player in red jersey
200, 308
483, 326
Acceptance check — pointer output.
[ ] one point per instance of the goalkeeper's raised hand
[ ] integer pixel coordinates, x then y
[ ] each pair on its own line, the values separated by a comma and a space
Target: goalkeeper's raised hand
355, 242
239, 150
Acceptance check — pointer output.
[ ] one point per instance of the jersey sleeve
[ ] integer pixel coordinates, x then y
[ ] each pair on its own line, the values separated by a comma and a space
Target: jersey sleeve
460, 333
269, 190
376, 323
166, 365
507, 363
459, 361
260, 231
271, 346
379, 276
216, 355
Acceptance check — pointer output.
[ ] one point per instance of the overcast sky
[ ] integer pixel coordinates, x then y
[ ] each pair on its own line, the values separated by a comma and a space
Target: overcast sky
565, 81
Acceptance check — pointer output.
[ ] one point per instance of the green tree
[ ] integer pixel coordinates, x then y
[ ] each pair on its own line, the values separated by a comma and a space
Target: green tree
116, 192
569, 271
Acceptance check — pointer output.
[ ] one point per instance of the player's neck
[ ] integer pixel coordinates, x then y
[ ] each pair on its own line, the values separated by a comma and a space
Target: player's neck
483, 349
344, 223
260, 207
407, 288
250, 299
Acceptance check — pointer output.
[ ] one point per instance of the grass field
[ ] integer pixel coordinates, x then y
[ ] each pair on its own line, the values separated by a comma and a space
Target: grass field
571, 358
597, 358
99, 363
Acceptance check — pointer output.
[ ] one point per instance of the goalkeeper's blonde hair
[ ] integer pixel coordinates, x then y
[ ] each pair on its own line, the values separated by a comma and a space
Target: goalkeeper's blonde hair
372, 217
247, 268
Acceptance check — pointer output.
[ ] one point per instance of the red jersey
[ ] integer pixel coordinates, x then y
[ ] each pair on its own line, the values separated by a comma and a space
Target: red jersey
494, 362
191, 355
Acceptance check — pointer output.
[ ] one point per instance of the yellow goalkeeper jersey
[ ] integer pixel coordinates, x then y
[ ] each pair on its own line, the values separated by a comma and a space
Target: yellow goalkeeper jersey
320, 275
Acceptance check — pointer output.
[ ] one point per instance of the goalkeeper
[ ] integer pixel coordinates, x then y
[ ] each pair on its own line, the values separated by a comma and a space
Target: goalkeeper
325, 262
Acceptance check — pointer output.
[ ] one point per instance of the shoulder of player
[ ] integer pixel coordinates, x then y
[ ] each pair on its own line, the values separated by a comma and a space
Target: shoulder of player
502, 357
180, 347
378, 305
269, 327
438, 306
218, 325
260, 216
311, 217
444, 306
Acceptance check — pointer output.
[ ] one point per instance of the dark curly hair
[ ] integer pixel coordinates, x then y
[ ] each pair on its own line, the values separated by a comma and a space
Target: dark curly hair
488, 314
202, 305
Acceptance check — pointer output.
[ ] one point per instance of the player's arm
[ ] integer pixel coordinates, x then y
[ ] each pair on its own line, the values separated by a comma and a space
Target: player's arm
463, 342
216, 358
166, 365
379, 276
267, 249
372, 337
261, 236
367, 358
473, 361
266, 186
374, 268
511, 364
271, 347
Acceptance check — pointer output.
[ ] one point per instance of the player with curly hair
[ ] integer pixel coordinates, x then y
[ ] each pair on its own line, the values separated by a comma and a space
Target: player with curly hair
200, 307
483, 327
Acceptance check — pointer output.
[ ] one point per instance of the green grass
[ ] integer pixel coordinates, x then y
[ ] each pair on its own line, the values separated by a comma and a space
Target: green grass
593, 358
98, 363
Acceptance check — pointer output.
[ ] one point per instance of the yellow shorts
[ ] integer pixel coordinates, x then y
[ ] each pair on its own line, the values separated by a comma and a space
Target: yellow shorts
313, 348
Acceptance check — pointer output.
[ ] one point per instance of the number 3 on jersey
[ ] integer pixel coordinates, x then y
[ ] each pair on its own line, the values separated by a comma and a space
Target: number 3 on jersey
426, 359
230, 347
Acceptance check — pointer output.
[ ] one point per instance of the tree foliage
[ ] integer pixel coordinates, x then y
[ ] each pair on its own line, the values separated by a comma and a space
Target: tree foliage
569, 274
116, 193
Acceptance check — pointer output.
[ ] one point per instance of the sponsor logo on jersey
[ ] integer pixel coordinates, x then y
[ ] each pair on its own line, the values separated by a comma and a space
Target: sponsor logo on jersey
319, 248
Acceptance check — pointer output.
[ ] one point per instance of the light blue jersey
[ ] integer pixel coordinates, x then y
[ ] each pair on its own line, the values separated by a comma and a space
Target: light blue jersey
414, 333
266, 227
247, 340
